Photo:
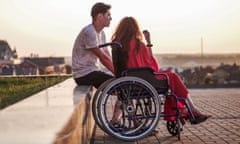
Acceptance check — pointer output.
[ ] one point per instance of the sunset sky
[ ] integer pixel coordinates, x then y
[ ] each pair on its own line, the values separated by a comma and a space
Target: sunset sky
49, 27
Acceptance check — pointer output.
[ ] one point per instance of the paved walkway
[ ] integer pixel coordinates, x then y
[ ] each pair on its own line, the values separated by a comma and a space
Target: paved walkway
222, 128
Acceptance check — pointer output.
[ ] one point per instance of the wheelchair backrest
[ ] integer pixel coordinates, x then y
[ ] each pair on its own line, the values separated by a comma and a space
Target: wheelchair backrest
119, 61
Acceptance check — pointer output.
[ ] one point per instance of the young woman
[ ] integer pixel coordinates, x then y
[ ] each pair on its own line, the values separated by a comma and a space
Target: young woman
136, 54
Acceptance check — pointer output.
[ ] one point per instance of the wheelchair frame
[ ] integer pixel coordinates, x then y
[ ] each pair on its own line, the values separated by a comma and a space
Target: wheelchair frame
141, 104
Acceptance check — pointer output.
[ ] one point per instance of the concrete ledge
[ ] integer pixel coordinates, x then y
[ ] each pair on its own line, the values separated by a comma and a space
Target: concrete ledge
37, 119
59, 114
80, 125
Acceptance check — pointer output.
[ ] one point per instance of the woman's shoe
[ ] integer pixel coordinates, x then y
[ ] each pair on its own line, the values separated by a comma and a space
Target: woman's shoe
200, 115
199, 118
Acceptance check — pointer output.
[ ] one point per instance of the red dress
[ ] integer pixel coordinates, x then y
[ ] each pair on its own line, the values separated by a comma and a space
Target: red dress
142, 58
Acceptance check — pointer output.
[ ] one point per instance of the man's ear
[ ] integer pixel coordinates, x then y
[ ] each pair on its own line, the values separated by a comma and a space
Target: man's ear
100, 15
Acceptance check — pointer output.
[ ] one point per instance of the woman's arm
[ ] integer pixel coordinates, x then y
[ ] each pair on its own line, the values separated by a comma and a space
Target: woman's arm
148, 40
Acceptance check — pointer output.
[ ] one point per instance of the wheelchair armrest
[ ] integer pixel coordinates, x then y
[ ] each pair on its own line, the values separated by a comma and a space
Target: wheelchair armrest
163, 74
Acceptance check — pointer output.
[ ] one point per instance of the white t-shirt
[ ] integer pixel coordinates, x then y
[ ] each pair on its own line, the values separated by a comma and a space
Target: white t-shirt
85, 61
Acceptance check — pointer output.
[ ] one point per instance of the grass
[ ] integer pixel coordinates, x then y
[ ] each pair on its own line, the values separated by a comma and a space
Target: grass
14, 89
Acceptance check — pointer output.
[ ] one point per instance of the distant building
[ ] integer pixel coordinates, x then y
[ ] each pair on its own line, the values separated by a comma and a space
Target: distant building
46, 65
28, 65
6, 52
6, 55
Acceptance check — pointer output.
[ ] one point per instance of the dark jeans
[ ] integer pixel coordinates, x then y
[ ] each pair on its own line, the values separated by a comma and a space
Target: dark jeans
95, 78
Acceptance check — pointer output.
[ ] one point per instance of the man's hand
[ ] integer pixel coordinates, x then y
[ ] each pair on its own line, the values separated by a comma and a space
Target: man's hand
104, 58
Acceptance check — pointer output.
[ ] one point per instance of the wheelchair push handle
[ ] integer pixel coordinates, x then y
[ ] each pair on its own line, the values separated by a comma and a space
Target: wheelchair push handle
111, 43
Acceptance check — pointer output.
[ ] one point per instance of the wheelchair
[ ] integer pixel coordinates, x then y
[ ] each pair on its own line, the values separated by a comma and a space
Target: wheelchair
141, 97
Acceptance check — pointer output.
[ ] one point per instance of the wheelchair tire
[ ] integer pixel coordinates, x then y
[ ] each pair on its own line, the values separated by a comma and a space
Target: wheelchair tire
132, 92
95, 101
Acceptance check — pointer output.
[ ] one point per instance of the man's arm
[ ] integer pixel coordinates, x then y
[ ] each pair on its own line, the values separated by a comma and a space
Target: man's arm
105, 58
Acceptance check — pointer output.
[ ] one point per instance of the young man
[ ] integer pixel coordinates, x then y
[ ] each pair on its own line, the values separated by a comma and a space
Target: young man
86, 53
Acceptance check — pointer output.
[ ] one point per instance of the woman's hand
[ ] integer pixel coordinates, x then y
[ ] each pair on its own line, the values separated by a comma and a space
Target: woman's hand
148, 40
147, 37
146, 34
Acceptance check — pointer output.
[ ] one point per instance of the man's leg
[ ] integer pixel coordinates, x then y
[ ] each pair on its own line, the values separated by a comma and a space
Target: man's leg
95, 78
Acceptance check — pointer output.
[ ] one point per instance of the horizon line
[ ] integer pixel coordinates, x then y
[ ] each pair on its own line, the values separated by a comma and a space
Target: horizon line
230, 53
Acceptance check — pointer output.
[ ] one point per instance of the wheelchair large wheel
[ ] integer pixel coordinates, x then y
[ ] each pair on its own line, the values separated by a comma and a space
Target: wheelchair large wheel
95, 101
140, 108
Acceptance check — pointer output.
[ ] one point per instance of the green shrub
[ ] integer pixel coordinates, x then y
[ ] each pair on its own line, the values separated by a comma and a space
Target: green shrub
14, 89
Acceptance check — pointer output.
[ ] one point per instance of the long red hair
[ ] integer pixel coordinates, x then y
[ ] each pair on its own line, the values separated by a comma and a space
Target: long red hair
128, 29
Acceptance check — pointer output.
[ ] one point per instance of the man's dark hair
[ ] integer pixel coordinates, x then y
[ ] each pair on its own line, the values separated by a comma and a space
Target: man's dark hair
99, 8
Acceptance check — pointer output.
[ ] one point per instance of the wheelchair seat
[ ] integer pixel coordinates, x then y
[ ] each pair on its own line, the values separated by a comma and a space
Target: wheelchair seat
148, 74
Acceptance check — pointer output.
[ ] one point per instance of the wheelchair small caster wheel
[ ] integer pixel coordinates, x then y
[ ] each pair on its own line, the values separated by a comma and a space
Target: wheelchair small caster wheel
172, 127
